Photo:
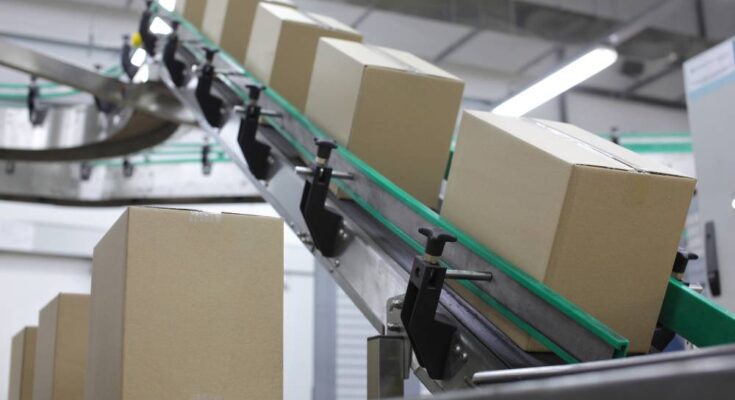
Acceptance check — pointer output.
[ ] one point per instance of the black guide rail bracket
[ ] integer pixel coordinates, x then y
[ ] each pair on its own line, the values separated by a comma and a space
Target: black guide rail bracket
103, 106
36, 111
126, 54
206, 160
147, 37
324, 223
212, 106
176, 68
432, 337
255, 152
663, 336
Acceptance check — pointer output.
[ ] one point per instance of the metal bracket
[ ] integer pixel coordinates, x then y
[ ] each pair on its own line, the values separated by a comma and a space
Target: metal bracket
713, 269
663, 336
36, 113
323, 222
149, 39
211, 105
206, 162
430, 335
126, 53
176, 69
255, 152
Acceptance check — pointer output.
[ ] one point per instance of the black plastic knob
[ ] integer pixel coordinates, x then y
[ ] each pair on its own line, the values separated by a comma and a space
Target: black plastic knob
209, 53
435, 241
324, 148
682, 259
254, 91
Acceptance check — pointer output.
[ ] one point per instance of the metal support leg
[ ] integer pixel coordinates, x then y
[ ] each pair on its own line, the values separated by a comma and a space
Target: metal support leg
386, 365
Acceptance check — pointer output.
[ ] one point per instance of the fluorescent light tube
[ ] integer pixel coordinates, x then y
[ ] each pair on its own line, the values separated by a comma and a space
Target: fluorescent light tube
138, 57
160, 27
168, 5
558, 82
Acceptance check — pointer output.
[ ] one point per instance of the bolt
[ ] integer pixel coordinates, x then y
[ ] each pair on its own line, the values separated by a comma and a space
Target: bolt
394, 327
396, 304
457, 349
336, 263
463, 357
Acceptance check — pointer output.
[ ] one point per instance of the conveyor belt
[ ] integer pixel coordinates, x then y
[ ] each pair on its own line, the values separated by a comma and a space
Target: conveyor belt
379, 236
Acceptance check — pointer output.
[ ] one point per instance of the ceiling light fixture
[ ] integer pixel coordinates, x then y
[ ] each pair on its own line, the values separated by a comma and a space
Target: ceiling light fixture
160, 27
558, 82
138, 57
168, 5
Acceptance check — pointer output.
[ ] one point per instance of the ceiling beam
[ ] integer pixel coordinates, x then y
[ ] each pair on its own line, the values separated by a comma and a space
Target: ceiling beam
454, 46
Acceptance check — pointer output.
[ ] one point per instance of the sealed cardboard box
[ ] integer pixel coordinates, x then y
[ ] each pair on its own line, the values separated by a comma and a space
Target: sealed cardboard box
61, 348
283, 45
392, 109
229, 22
187, 305
192, 11
595, 222
22, 359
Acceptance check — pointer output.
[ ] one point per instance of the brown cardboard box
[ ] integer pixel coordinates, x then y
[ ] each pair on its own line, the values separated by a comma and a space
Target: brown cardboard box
61, 348
187, 305
595, 222
229, 22
192, 11
283, 45
22, 358
392, 109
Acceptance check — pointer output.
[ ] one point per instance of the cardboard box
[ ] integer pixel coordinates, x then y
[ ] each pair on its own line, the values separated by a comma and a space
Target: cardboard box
22, 360
595, 222
187, 305
392, 109
192, 11
61, 348
229, 22
283, 45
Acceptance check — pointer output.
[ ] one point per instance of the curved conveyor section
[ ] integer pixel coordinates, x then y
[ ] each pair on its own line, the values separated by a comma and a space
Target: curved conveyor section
75, 133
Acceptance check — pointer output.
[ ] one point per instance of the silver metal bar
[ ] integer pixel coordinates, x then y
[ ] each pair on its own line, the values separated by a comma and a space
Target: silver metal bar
151, 98
706, 374
525, 374
469, 275
305, 171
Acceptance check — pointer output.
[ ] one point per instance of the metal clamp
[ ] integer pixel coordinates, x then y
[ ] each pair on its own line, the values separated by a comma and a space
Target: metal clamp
211, 105
255, 152
176, 69
323, 222
206, 162
431, 337
148, 39
36, 112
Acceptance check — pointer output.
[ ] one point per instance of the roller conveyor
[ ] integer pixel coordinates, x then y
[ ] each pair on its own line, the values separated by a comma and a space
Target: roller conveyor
373, 249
